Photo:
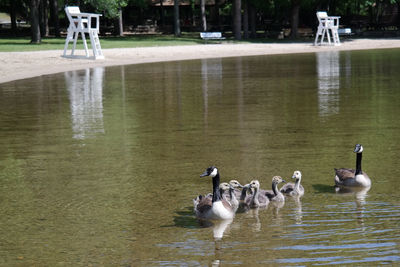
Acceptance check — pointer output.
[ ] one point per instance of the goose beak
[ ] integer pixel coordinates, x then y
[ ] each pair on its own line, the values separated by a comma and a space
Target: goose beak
204, 174
294, 176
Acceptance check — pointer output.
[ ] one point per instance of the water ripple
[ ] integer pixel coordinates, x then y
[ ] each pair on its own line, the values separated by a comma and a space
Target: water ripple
351, 246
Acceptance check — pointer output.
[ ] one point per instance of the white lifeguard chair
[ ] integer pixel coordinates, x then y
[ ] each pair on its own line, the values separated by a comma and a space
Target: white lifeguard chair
82, 23
327, 25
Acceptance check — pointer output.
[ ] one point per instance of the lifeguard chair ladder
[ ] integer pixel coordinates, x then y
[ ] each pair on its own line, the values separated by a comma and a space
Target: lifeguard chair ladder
82, 23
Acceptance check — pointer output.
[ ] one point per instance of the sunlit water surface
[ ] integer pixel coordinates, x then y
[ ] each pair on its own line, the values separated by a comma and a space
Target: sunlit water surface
99, 167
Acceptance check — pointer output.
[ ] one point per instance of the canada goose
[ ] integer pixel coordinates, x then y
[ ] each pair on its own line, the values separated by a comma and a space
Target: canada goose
277, 195
243, 197
236, 185
215, 208
294, 189
350, 177
243, 194
257, 199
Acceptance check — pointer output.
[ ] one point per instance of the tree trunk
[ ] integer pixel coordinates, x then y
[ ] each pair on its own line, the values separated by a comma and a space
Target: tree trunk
54, 17
120, 23
295, 18
218, 17
177, 26
237, 21
252, 11
246, 19
162, 13
193, 15
35, 27
203, 15
13, 17
43, 18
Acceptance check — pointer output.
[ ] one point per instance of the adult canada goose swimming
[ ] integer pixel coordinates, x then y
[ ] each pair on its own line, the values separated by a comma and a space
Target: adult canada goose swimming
294, 189
350, 177
215, 208
257, 199
277, 196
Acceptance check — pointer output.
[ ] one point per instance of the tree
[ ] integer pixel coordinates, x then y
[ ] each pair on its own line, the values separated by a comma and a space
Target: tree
162, 13
203, 14
111, 9
246, 19
54, 15
13, 16
35, 26
43, 17
120, 23
252, 15
237, 19
294, 18
177, 26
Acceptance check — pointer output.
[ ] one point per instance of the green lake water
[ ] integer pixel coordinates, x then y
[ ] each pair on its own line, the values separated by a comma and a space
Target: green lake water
99, 167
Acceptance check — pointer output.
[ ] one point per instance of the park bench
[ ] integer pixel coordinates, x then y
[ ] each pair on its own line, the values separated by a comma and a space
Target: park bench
211, 36
344, 31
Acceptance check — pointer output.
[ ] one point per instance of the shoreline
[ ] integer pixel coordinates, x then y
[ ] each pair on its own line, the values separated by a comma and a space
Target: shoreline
22, 65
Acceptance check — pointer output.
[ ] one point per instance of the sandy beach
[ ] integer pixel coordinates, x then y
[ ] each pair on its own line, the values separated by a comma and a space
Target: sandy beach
21, 65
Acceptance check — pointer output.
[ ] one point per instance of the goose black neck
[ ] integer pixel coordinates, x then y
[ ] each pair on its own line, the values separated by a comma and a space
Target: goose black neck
275, 189
243, 195
358, 163
216, 192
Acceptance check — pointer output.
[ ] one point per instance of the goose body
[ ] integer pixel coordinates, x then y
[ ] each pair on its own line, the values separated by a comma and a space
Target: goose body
228, 193
351, 177
294, 189
214, 208
277, 195
224, 190
243, 197
256, 200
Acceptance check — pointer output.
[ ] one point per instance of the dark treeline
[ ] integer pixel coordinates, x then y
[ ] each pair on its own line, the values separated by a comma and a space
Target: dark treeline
243, 18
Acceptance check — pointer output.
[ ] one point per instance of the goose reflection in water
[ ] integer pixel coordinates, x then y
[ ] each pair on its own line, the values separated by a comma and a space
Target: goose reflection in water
360, 194
298, 212
86, 101
218, 227
256, 225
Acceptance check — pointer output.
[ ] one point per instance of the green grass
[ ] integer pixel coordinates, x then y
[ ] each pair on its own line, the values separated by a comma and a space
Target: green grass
18, 44
23, 44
